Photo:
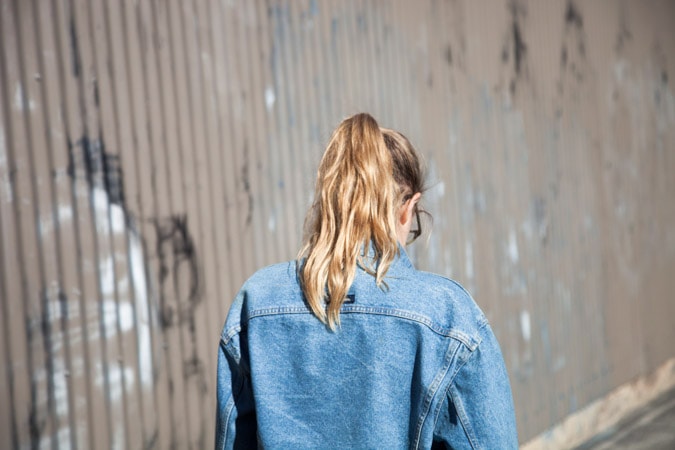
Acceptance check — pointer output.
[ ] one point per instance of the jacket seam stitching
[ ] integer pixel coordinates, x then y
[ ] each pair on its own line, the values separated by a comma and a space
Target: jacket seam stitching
228, 334
461, 413
228, 415
470, 342
447, 389
231, 401
413, 317
428, 400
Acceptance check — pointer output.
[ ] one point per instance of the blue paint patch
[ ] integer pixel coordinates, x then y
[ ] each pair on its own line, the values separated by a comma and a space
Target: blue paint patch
361, 23
334, 26
313, 8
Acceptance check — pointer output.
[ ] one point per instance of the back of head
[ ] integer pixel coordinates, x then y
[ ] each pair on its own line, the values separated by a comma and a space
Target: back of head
363, 175
407, 170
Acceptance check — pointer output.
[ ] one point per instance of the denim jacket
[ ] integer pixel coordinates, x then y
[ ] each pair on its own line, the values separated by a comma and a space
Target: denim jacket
414, 364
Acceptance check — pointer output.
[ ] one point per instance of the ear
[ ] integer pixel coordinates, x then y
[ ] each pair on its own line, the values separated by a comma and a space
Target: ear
408, 207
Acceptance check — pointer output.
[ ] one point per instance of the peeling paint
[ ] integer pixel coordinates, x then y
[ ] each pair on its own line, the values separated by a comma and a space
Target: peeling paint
105, 225
118, 376
525, 326
270, 98
272, 222
64, 214
142, 306
19, 104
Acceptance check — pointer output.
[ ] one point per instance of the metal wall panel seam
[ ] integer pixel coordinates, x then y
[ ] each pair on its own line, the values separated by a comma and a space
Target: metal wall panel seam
253, 126
214, 271
285, 160
125, 145
218, 203
9, 388
161, 45
318, 94
193, 365
47, 75
179, 171
108, 243
149, 64
140, 281
238, 187
25, 215
303, 119
71, 111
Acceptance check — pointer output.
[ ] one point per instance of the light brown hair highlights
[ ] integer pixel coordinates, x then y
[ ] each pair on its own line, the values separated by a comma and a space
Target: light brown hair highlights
364, 175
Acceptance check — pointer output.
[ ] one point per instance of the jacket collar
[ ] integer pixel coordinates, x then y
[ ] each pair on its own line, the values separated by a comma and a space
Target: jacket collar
401, 261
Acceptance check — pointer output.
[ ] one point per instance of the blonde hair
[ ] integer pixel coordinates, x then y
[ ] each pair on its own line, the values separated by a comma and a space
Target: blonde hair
363, 175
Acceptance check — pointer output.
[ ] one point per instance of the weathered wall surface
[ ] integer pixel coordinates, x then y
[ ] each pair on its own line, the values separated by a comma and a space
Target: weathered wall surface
153, 154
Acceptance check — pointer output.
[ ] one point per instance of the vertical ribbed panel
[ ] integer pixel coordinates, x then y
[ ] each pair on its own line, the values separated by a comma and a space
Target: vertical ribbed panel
154, 154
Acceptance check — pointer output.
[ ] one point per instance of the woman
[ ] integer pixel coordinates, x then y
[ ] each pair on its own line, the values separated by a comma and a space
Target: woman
350, 346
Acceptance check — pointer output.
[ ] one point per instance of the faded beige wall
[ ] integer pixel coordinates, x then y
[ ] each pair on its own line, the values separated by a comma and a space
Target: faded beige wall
154, 154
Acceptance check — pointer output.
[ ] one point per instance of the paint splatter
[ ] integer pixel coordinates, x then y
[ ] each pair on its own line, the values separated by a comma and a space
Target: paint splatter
512, 249
21, 101
270, 98
525, 325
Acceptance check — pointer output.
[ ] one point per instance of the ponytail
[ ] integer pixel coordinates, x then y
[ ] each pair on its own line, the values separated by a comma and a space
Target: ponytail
354, 209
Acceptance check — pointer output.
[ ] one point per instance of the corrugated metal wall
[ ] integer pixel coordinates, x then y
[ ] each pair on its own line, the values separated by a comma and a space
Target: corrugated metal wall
153, 154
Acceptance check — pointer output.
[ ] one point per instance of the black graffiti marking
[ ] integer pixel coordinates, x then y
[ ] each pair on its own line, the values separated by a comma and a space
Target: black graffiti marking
246, 182
97, 99
39, 412
572, 16
539, 212
176, 251
178, 260
570, 61
624, 35
519, 47
194, 368
448, 55
36, 426
574, 20
515, 45
88, 159
74, 48
151, 442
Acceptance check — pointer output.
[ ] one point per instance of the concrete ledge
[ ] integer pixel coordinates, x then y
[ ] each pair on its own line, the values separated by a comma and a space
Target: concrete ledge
606, 412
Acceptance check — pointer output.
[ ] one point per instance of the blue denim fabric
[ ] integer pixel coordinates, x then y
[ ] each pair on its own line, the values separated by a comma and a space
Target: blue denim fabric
413, 364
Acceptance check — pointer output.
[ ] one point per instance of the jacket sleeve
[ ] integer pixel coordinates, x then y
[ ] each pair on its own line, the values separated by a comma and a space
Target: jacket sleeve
478, 411
235, 412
